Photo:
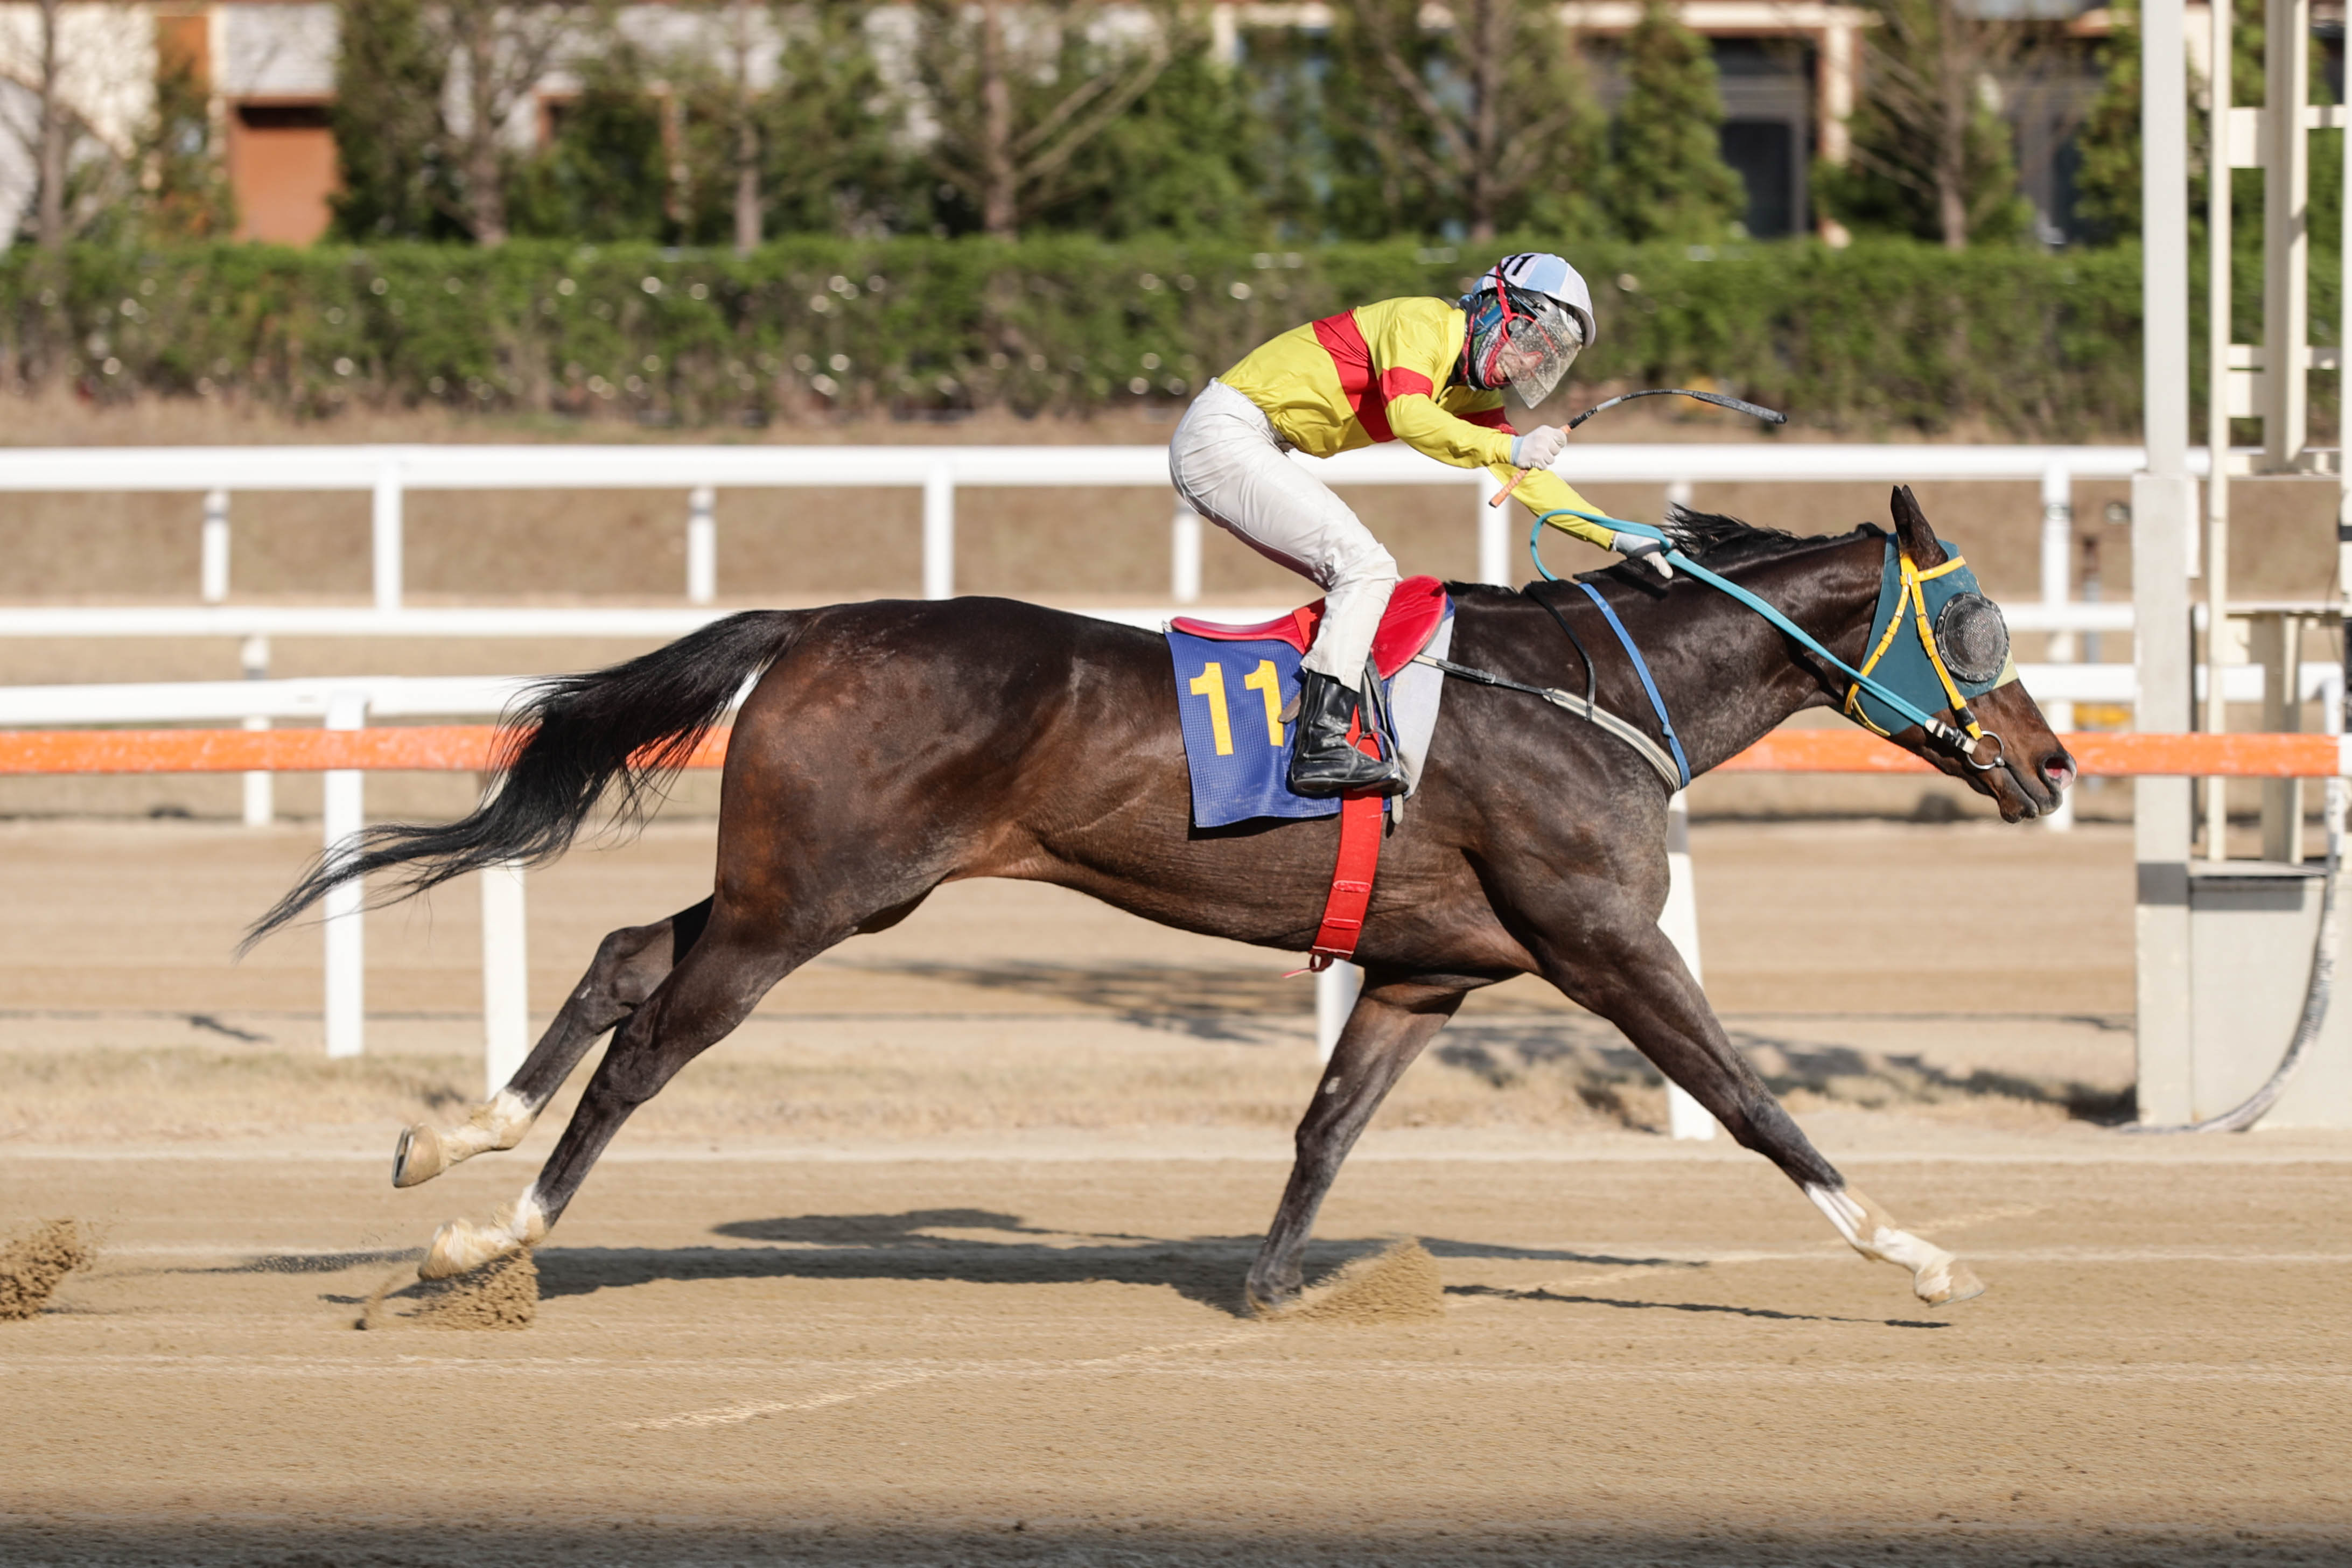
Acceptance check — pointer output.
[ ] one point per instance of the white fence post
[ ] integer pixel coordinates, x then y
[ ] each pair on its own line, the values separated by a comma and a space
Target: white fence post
701, 546
1336, 990
346, 809
385, 535
2057, 561
506, 975
938, 534
1686, 1117
1184, 554
261, 785
214, 568
1494, 534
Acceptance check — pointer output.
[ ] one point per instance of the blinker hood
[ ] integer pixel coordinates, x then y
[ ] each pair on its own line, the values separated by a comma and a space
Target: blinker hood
1966, 630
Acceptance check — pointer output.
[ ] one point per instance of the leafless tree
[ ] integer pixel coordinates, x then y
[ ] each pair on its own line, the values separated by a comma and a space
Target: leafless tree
1491, 95
500, 51
1927, 69
1013, 92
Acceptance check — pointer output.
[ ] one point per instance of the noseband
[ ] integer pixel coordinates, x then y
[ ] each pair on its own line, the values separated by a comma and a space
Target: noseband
1958, 647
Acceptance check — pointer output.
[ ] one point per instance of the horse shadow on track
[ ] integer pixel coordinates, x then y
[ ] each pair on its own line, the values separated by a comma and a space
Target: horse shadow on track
908, 1245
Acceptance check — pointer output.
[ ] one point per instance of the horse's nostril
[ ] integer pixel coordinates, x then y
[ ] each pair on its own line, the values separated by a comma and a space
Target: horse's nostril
2058, 769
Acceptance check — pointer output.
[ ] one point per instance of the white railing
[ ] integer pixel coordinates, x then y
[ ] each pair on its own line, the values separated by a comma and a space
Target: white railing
388, 474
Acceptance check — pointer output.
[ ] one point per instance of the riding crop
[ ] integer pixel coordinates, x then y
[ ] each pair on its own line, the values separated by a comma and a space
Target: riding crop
1721, 400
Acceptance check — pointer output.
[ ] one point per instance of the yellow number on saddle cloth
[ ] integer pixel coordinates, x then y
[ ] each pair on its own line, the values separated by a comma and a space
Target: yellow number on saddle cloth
1211, 683
1266, 681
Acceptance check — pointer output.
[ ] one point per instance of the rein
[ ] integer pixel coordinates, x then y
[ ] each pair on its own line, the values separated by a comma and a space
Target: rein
1961, 741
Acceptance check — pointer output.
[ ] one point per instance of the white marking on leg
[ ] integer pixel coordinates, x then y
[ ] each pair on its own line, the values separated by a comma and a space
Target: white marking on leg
463, 1245
1936, 1276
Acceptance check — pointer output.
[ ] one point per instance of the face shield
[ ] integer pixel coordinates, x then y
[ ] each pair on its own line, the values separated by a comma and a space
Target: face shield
1535, 350
1523, 342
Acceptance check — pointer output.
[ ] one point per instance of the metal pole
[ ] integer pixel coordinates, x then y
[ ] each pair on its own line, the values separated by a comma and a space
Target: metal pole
346, 1010
2162, 506
1184, 554
1336, 990
260, 787
2286, 233
385, 535
213, 570
2057, 559
1686, 1117
506, 977
2218, 334
938, 534
701, 546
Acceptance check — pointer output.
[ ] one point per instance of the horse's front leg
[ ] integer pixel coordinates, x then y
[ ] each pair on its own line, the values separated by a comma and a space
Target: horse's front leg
1612, 959
1393, 1019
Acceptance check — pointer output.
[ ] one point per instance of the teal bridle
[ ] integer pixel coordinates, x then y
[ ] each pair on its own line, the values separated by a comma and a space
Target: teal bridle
1958, 647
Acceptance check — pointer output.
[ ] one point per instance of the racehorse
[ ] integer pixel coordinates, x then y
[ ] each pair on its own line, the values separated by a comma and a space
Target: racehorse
889, 747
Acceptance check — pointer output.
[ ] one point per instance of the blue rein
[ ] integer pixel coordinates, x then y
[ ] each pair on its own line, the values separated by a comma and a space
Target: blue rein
1641, 668
1895, 701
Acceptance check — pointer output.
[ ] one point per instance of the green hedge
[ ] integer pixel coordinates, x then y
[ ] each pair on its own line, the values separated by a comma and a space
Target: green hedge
1880, 335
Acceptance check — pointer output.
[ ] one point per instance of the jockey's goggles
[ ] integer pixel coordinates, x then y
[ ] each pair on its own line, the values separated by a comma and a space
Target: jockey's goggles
1521, 340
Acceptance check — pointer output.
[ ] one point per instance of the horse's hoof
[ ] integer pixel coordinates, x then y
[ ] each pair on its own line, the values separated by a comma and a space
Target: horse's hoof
1948, 1283
461, 1245
419, 1156
1266, 1302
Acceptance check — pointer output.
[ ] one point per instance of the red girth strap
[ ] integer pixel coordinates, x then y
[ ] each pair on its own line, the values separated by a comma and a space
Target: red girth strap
1361, 819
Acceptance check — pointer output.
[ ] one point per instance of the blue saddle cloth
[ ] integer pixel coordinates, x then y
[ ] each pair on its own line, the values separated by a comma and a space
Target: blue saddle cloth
1232, 696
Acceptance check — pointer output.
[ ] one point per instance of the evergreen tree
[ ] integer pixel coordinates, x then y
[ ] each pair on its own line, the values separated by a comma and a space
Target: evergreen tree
605, 174
184, 183
387, 119
1666, 177
1931, 154
1181, 160
2106, 183
830, 131
1485, 121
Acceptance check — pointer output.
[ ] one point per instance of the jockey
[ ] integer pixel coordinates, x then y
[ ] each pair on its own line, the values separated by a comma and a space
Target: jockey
1421, 371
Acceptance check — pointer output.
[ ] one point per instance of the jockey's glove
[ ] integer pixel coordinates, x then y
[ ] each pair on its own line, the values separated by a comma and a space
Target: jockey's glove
1540, 448
1648, 551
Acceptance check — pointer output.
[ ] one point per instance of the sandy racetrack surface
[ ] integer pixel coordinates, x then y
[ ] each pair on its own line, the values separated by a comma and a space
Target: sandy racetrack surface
979, 1301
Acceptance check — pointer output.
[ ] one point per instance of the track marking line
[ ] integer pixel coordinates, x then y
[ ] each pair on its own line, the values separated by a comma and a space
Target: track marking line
732, 1415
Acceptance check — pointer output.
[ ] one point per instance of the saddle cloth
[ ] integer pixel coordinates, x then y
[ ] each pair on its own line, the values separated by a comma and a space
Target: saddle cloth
1232, 684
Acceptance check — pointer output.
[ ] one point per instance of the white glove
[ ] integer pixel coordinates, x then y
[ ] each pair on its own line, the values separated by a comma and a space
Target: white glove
1540, 448
1649, 551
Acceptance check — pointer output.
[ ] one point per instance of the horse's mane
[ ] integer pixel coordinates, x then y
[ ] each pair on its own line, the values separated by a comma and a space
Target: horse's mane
1721, 540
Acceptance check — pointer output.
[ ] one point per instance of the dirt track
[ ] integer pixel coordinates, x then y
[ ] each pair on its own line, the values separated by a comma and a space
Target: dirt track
938, 1262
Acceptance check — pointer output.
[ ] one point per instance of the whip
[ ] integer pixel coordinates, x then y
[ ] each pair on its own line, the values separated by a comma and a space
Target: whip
1721, 400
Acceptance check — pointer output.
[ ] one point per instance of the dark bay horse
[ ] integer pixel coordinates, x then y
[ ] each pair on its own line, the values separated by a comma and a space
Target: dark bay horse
890, 747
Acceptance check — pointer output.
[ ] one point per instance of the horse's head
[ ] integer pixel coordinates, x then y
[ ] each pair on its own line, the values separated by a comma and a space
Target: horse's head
1944, 647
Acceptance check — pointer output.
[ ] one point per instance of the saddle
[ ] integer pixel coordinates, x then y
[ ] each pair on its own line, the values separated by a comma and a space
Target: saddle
1411, 619
1236, 753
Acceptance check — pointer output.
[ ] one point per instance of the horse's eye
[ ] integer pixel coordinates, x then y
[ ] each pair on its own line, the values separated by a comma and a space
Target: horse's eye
1972, 638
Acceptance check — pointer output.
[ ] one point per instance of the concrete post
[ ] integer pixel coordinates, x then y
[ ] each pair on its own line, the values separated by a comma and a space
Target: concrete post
1336, 990
2162, 501
1686, 1117
1494, 532
506, 977
2286, 232
2057, 565
261, 787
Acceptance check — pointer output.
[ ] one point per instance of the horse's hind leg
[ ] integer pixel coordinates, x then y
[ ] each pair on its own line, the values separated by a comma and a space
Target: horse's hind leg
1393, 1020
714, 986
629, 963
1625, 970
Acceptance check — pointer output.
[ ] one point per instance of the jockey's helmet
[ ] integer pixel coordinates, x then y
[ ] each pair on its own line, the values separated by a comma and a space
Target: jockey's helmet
1529, 316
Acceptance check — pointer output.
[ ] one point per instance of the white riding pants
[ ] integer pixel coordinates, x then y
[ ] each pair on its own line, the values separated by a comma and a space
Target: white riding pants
1229, 466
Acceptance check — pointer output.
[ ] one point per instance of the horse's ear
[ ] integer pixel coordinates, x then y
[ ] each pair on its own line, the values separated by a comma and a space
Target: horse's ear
1919, 541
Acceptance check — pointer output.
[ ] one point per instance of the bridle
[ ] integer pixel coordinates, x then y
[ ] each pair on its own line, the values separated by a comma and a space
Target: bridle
1903, 603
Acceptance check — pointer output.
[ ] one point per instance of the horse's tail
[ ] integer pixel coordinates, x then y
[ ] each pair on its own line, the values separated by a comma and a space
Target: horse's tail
572, 739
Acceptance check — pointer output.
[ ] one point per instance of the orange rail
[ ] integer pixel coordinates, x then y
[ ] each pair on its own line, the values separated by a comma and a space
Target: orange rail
468, 748
2109, 754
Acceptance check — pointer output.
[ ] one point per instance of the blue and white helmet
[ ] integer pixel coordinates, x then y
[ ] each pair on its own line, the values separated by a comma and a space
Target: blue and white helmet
1528, 317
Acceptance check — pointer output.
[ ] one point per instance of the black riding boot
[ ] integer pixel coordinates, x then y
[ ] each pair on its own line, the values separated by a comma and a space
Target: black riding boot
1322, 760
